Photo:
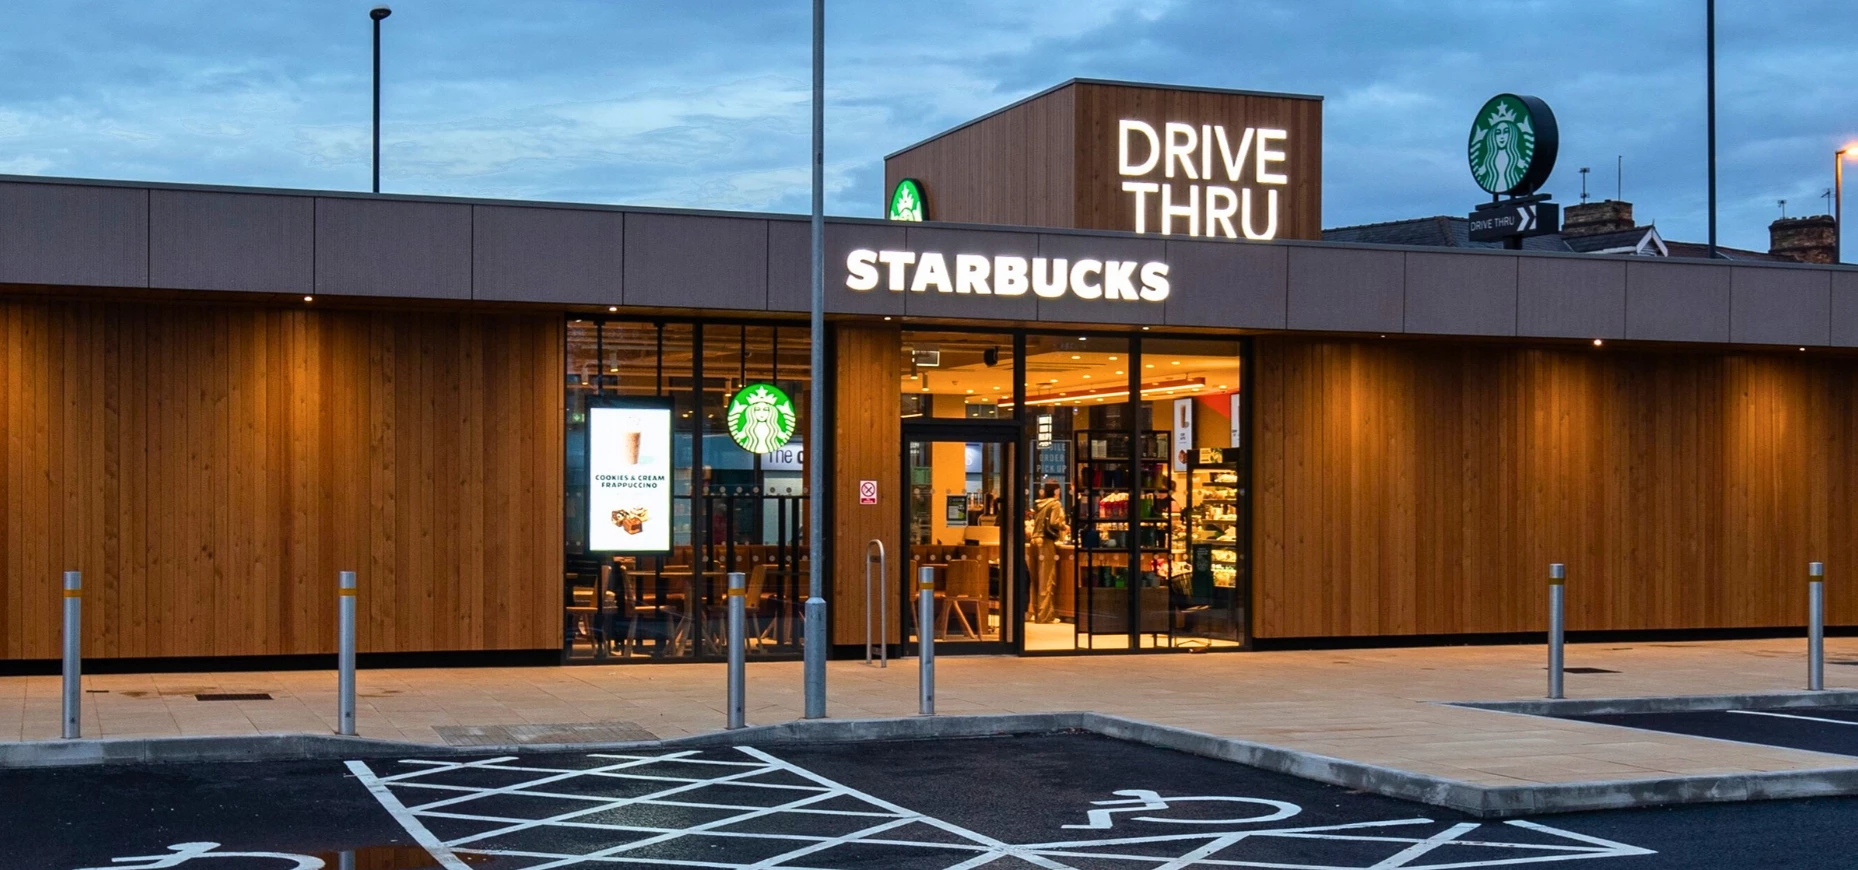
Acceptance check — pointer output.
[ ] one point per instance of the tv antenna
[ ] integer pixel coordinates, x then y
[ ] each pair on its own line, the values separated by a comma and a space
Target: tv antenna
1584, 171
1783, 204
1619, 174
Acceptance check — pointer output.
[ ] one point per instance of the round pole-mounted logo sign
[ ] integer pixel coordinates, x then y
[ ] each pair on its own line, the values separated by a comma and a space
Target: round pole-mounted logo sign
906, 201
1513, 145
761, 418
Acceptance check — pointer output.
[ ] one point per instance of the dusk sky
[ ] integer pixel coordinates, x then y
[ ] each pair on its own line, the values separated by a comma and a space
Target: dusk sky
705, 104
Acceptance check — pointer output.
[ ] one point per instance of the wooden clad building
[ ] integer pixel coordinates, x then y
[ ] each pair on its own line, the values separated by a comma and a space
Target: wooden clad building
1090, 438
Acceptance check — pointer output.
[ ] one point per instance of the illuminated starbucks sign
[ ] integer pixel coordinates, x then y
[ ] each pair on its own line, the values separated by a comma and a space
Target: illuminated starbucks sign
761, 418
1513, 144
906, 202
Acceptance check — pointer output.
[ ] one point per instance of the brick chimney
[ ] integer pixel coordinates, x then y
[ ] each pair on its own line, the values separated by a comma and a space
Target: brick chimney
1807, 239
1590, 218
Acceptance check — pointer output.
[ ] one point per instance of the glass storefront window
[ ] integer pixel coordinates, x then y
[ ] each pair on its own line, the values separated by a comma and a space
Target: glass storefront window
1192, 392
957, 375
733, 510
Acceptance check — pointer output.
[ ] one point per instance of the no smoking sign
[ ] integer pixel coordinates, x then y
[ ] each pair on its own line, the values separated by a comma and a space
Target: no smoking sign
867, 492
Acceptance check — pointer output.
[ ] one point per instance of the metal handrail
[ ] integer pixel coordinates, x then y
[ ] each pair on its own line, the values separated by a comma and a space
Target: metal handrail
883, 607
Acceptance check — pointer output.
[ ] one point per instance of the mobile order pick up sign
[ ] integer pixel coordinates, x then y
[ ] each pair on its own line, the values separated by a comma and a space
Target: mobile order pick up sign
629, 475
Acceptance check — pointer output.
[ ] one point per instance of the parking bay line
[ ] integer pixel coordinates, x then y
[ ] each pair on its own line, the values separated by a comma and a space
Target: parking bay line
1794, 716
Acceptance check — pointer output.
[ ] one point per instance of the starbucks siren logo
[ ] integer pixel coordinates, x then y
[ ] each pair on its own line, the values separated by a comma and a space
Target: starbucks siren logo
906, 202
1513, 144
761, 418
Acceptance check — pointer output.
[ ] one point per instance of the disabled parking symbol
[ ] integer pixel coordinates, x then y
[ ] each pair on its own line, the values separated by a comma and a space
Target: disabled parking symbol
1141, 800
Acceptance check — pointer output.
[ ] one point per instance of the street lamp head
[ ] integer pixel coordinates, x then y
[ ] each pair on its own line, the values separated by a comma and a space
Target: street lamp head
379, 12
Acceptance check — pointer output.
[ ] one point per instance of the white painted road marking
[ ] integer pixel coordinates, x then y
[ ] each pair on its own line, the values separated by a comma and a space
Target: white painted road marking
182, 853
1794, 716
1138, 800
875, 822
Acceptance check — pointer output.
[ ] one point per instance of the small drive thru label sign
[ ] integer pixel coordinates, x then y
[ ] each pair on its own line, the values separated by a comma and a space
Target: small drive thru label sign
867, 492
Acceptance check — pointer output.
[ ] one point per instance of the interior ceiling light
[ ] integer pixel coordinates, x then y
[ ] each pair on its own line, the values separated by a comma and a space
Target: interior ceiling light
1075, 356
1109, 392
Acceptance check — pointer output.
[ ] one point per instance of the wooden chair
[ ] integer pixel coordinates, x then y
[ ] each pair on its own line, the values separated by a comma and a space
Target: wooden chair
967, 585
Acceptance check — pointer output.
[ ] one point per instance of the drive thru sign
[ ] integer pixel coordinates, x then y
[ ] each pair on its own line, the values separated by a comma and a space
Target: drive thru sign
867, 492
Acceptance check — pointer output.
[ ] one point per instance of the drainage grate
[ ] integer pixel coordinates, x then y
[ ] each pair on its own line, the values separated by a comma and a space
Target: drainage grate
235, 696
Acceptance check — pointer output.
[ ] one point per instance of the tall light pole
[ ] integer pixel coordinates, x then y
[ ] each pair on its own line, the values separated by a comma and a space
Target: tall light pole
377, 13
1838, 200
814, 666
1710, 36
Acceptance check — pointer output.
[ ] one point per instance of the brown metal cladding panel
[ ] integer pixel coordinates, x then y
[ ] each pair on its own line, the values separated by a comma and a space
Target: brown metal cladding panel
1103, 205
231, 241
790, 267
1845, 309
211, 468
1014, 167
1071, 308
72, 234
1780, 306
1677, 302
1564, 297
696, 261
949, 243
867, 446
378, 247
1460, 294
1343, 290
546, 255
1421, 488
1226, 284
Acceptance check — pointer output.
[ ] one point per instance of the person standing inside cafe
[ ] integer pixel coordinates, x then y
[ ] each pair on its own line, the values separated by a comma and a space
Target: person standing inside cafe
1049, 526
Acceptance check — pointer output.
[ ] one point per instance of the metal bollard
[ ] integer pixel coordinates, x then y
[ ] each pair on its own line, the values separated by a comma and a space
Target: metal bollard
883, 606
1557, 577
925, 635
1816, 626
74, 633
738, 651
345, 654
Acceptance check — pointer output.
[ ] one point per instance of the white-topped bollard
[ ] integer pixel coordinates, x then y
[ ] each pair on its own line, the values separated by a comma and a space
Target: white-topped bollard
345, 653
925, 636
738, 651
73, 662
1816, 626
1557, 600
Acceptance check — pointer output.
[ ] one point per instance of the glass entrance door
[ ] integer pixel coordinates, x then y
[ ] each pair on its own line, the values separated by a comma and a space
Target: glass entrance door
962, 526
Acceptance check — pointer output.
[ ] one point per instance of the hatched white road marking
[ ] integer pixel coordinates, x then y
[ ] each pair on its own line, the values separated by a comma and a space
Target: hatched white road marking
563, 830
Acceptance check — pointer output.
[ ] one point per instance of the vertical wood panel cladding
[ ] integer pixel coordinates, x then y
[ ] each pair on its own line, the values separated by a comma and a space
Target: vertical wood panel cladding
1101, 202
1423, 489
1014, 167
210, 469
867, 445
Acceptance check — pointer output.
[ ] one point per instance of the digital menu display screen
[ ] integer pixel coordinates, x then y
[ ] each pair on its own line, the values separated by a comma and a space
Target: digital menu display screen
629, 475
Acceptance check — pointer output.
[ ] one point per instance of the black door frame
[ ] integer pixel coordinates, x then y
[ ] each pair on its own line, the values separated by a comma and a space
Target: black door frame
1013, 581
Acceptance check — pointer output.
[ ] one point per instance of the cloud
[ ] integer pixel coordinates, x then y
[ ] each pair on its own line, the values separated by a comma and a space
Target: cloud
706, 105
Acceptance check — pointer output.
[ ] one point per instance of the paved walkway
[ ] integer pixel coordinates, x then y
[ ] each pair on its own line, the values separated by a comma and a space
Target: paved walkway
1373, 706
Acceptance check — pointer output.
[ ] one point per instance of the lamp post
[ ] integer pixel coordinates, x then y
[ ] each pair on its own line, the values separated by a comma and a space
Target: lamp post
814, 653
1838, 200
377, 13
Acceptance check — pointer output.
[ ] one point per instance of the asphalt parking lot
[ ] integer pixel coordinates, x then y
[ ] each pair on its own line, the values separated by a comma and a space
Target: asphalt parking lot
1062, 801
1820, 729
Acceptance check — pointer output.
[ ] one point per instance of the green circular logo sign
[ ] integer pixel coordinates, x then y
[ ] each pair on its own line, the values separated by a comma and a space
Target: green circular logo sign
906, 201
1513, 145
761, 418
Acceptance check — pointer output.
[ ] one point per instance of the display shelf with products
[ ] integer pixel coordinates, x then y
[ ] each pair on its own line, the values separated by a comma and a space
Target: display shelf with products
1215, 530
1123, 509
